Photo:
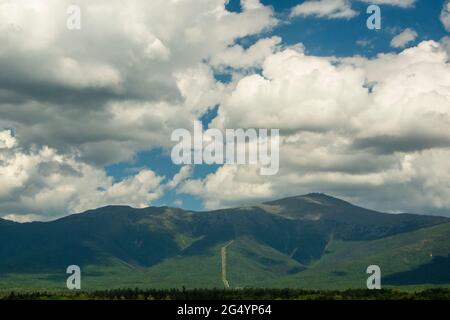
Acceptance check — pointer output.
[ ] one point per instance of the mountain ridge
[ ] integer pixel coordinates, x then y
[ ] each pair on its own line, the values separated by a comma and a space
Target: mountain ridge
275, 240
270, 202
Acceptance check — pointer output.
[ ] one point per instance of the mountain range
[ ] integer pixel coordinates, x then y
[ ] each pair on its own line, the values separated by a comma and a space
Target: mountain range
313, 241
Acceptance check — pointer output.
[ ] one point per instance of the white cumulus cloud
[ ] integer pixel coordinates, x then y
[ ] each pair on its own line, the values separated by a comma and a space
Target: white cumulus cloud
445, 16
404, 38
373, 131
45, 184
333, 9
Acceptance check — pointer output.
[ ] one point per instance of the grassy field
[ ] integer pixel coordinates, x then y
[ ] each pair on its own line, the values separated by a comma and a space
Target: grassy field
344, 264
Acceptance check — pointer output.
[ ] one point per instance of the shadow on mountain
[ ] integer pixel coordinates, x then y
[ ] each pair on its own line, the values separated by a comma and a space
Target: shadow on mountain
435, 272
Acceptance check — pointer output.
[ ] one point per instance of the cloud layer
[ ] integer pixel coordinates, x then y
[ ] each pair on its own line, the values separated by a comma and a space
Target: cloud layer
376, 131
131, 74
82, 99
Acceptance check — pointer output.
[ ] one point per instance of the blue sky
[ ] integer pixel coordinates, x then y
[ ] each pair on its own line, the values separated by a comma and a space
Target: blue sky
321, 37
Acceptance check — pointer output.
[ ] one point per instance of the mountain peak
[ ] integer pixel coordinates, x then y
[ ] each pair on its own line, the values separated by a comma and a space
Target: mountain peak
315, 198
318, 195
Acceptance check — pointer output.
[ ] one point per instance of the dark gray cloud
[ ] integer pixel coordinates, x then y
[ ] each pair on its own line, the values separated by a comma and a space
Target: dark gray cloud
387, 144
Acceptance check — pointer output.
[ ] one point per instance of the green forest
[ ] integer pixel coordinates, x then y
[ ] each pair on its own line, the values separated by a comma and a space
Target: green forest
242, 294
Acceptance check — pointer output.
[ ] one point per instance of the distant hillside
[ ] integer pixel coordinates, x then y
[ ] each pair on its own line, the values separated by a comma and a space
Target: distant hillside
311, 241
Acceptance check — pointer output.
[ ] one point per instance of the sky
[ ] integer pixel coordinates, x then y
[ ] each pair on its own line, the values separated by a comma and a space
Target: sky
86, 114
